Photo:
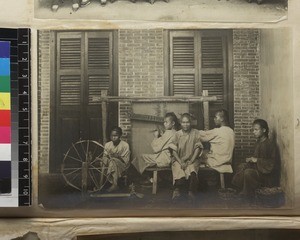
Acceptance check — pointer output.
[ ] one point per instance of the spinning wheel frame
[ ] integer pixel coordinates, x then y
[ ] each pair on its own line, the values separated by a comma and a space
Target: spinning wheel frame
83, 167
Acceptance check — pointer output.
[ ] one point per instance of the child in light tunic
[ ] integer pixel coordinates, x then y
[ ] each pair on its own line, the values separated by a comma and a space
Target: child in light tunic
186, 147
222, 141
160, 146
116, 156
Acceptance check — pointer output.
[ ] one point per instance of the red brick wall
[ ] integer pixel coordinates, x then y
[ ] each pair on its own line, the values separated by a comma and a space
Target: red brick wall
246, 88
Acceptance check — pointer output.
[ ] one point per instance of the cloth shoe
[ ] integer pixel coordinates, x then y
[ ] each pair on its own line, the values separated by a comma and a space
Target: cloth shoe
113, 188
176, 194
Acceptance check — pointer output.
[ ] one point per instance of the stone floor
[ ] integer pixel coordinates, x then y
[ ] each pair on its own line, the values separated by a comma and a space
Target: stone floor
54, 193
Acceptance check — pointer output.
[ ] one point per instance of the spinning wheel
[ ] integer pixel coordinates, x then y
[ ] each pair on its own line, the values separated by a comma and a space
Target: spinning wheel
83, 167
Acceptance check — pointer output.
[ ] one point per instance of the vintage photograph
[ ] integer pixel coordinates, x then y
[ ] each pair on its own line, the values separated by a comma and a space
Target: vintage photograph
164, 10
164, 118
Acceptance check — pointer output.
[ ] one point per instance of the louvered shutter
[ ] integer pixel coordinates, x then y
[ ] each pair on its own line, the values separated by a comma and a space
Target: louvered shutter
213, 68
99, 63
83, 67
69, 68
198, 61
183, 63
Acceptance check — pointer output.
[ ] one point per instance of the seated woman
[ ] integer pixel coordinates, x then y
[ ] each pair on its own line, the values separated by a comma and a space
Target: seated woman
186, 147
160, 146
257, 170
116, 156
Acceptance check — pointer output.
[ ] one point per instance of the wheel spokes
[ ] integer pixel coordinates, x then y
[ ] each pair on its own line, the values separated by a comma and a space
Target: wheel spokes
76, 152
72, 171
91, 153
76, 159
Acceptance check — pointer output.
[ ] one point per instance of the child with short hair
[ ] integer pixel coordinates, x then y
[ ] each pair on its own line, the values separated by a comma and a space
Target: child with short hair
116, 156
186, 147
257, 170
160, 146
222, 141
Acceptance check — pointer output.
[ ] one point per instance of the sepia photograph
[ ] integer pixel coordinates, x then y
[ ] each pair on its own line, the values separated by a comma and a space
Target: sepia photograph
164, 10
165, 119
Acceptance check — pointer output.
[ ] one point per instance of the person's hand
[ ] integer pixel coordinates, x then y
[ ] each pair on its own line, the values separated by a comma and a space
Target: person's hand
199, 145
184, 165
156, 133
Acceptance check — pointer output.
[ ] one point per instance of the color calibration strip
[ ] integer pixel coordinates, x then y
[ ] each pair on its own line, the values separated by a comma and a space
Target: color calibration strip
15, 177
5, 118
24, 125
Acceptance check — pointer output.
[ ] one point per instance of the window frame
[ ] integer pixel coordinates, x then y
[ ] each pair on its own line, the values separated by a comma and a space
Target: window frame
228, 33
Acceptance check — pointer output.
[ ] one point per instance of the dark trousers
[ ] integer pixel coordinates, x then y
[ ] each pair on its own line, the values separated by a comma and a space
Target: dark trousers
191, 184
247, 179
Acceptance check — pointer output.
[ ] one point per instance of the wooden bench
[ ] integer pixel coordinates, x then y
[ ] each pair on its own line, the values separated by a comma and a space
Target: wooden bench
155, 171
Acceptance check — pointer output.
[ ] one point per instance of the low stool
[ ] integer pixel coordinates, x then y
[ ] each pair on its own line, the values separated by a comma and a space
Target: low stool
155, 171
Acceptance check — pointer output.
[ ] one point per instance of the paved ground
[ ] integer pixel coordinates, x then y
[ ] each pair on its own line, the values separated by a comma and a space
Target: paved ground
55, 194
175, 10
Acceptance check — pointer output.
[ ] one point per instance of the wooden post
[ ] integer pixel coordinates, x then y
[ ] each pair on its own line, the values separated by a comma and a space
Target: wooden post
206, 110
102, 175
104, 116
84, 174
154, 187
222, 180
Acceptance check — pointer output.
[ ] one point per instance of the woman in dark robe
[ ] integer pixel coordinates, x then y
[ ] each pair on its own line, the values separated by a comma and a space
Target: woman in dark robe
258, 170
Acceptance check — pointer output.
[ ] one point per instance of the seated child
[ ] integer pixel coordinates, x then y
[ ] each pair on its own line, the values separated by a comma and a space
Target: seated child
221, 141
257, 170
116, 155
160, 146
186, 147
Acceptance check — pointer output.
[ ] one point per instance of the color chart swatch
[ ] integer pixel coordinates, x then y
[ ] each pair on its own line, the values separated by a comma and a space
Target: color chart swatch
5, 116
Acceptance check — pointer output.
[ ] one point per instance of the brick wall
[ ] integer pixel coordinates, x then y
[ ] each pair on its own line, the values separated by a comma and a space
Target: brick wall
141, 68
44, 99
246, 52
141, 73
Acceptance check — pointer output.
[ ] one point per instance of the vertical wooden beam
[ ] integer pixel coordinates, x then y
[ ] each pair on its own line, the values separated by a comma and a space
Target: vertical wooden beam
154, 187
222, 180
104, 116
84, 174
205, 110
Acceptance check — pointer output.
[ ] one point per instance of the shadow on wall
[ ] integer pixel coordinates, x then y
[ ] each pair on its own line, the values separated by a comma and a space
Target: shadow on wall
277, 169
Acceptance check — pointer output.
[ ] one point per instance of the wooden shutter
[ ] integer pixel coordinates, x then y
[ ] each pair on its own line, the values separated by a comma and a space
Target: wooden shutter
83, 67
183, 63
99, 76
99, 63
213, 68
69, 68
198, 61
